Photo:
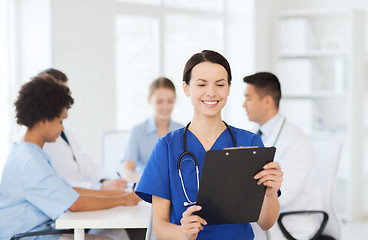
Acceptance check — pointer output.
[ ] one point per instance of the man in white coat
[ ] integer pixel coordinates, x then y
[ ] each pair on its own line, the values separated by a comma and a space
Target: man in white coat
300, 189
71, 163
77, 167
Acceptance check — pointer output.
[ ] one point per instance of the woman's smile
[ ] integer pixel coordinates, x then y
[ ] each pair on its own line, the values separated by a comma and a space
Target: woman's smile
211, 103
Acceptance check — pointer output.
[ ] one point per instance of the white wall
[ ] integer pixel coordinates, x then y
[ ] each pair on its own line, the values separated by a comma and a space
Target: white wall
33, 47
264, 33
30, 44
83, 47
240, 52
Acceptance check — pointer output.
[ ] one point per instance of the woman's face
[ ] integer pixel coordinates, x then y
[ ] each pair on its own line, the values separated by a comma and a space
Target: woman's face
162, 101
54, 127
208, 88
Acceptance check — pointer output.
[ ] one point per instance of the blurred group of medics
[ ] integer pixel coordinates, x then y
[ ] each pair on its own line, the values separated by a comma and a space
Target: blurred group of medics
150, 157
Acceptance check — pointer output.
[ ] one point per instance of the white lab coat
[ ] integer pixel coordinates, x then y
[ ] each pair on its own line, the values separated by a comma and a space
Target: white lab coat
300, 189
81, 173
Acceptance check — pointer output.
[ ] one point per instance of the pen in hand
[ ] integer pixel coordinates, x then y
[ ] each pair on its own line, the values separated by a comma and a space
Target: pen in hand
134, 184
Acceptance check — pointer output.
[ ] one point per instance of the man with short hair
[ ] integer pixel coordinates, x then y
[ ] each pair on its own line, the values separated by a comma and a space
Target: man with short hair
71, 162
294, 152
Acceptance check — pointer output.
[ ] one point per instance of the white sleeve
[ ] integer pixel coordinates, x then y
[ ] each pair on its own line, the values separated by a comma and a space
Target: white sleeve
297, 161
90, 170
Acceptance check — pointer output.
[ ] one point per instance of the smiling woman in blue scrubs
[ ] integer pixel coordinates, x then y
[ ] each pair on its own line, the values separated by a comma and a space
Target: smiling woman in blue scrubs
207, 79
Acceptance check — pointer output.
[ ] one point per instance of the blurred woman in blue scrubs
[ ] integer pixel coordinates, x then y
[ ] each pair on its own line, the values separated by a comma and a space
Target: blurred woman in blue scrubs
206, 81
143, 136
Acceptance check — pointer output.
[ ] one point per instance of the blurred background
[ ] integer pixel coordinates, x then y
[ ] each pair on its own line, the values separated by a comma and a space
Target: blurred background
112, 49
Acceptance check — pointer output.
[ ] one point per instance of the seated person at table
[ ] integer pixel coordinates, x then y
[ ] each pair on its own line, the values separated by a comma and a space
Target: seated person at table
143, 136
32, 195
70, 162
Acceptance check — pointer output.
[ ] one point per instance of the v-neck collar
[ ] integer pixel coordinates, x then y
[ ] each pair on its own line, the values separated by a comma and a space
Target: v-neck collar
213, 145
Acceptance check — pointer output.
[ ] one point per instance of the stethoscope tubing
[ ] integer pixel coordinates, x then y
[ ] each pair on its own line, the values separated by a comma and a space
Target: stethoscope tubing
280, 130
186, 152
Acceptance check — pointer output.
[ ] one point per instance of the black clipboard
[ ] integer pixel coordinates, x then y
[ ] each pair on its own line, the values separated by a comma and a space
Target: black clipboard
228, 192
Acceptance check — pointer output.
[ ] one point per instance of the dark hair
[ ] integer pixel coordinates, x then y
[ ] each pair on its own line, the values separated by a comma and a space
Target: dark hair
161, 82
41, 98
205, 56
58, 75
266, 83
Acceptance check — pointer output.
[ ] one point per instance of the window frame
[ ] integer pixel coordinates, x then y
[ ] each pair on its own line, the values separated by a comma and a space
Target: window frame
159, 12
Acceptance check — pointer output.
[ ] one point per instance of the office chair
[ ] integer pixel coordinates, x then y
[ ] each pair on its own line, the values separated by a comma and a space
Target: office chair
39, 233
328, 158
113, 143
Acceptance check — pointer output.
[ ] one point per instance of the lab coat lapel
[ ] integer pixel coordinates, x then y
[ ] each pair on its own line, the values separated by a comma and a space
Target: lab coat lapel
271, 140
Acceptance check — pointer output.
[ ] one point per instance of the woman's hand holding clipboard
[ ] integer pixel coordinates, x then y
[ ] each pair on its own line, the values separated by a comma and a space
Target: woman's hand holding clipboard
236, 197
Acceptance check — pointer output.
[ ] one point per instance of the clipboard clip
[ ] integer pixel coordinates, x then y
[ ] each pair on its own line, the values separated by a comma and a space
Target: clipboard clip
233, 148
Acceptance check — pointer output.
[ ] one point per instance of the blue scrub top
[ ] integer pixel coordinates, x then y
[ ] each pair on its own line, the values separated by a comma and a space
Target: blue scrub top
141, 140
32, 195
161, 177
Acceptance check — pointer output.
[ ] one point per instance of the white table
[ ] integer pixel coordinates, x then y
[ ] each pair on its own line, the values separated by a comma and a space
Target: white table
118, 217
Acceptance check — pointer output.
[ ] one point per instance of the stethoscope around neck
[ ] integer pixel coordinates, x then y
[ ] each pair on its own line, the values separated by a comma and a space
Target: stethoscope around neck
186, 152
279, 131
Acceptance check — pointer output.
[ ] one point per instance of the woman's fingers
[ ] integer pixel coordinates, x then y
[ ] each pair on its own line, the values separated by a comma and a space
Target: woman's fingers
192, 224
271, 176
272, 168
193, 219
188, 216
190, 210
268, 176
274, 165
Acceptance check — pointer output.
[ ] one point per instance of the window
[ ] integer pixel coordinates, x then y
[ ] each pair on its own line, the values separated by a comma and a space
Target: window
156, 40
148, 2
208, 5
4, 84
136, 65
25, 48
184, 36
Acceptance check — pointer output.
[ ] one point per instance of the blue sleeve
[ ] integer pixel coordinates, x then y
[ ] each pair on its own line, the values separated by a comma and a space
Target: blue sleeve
46, 190
155, 179
131, 147
256, 140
